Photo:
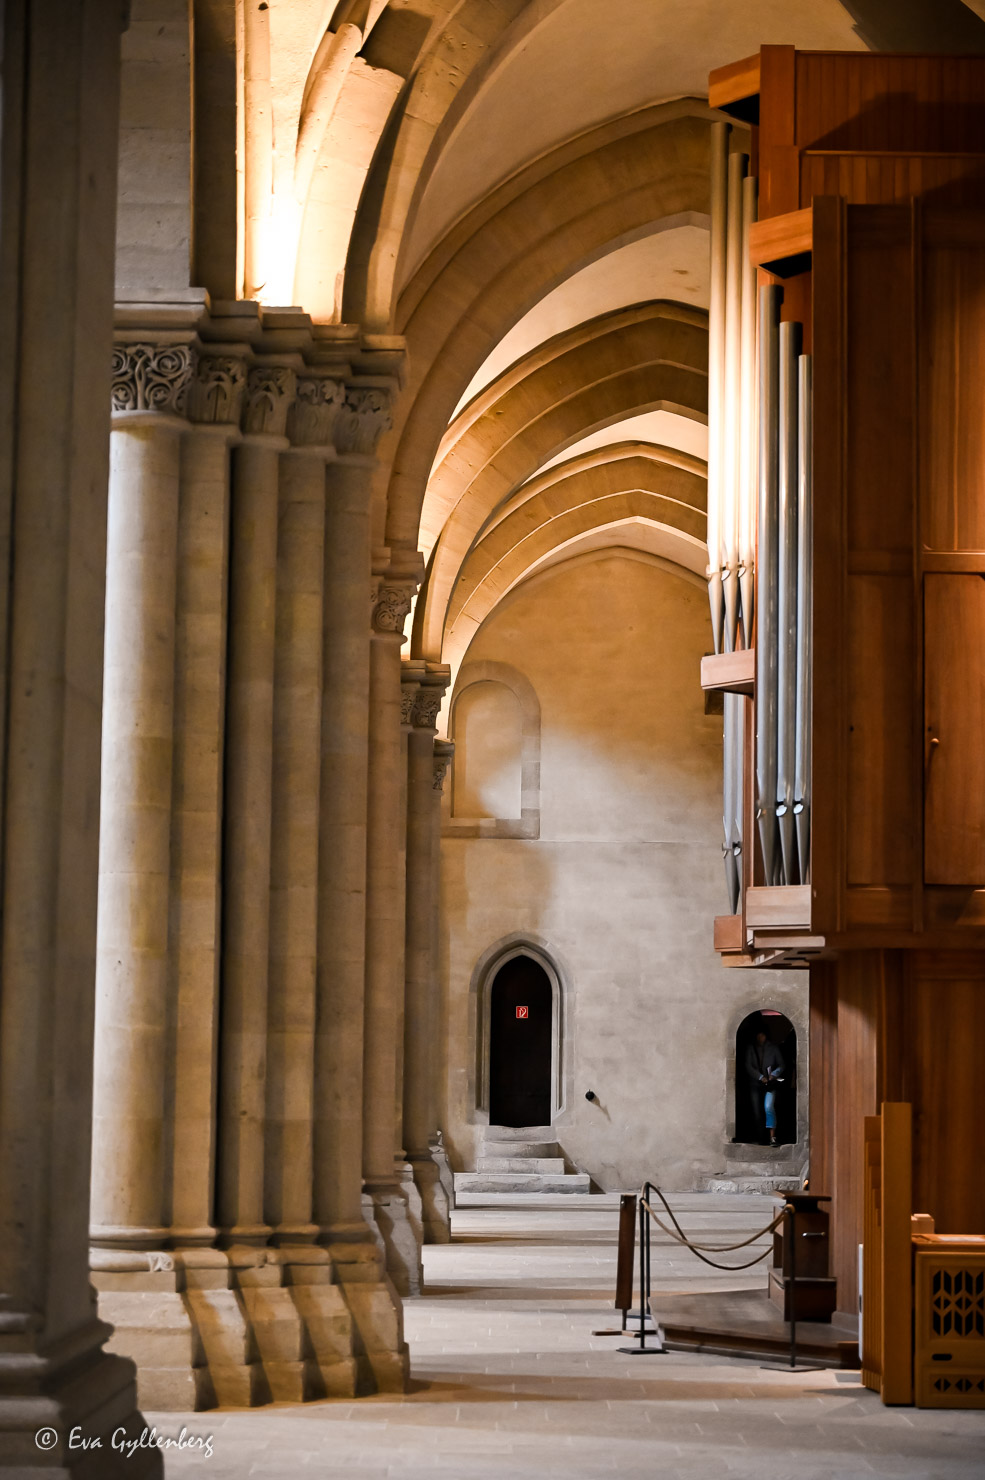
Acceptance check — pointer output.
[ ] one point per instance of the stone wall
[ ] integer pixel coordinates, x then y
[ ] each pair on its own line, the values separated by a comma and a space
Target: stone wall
619, 887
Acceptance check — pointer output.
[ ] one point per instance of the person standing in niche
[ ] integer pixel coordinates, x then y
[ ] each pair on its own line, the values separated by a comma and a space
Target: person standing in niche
765, 1069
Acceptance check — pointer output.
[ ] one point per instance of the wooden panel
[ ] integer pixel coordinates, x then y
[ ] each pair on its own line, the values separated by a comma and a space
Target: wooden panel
865, 101
945, 1050
773, 242
954, 717
870, 1342
779, 906
823, 1078
879, 908
779, 172
881, 376
880, 843
732, 673
891, 178
952, 380
856, 1094
729, 934
735, 88
897, 1278
946, 908
828, 725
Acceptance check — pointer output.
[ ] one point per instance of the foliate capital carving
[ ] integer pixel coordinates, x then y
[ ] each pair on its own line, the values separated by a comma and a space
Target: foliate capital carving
427, 702
363, 418
269, 393
444, 750
317, 403
408, 696
216, 391
152, 377
392, 605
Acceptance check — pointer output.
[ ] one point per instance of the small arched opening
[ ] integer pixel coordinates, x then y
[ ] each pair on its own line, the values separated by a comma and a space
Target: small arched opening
521, 1044
765, 1039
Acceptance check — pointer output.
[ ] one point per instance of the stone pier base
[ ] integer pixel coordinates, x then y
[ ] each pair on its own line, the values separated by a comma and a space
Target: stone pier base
242, 1327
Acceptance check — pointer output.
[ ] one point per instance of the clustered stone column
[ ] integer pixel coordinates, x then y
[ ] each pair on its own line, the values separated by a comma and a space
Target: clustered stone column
383, 1160
422, 1028
230, 1245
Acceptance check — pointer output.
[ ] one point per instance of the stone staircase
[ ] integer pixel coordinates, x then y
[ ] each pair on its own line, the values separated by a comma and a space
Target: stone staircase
765, 1169
521, 1159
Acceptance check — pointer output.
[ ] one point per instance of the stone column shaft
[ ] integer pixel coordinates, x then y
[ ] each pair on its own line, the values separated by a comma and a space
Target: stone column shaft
59, 118
246, 850
421, 1021
294, 847
384, 913
130, 1204
196, 831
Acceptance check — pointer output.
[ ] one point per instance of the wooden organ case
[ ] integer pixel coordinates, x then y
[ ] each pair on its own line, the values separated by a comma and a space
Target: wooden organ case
854, 664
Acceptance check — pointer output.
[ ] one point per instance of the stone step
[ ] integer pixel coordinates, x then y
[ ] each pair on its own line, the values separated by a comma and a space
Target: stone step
521, 1182
519, 1148
768, 1185
519, 1133
540, 1164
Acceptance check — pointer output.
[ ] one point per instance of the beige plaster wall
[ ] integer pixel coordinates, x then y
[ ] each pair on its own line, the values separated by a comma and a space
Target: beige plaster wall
621, 886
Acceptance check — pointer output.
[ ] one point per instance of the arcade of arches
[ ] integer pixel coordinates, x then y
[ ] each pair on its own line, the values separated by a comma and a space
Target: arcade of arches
353, 458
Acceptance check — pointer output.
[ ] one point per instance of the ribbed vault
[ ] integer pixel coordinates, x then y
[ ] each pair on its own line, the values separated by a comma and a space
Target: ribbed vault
640, 489
615, 183
651, 356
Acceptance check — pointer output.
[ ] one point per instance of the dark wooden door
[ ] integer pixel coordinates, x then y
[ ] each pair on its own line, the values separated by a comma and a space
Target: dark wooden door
520, 1038
954, 729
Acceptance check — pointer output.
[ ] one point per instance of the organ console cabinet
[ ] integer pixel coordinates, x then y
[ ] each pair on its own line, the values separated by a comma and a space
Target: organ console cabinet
847, 587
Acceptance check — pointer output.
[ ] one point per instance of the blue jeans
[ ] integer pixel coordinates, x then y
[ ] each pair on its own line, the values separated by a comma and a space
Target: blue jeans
769, 1104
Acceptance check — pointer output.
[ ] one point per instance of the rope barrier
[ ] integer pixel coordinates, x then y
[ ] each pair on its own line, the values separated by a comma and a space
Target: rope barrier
680, 1237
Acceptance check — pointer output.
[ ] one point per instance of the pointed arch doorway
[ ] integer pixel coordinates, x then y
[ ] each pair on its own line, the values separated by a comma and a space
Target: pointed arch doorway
521, 1044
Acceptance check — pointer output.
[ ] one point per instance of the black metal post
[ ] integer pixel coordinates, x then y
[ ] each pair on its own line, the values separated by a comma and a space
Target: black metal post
793, 1284
643, 1222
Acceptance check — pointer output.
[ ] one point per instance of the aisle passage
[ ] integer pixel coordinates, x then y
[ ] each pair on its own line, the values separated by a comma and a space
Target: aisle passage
511, 1384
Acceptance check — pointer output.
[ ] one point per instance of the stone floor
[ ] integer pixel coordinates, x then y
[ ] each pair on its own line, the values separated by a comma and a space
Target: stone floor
511, 1384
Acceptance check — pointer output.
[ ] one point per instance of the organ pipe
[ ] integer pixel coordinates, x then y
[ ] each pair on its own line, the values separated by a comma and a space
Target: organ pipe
730, 446
802, 772
767, 630
747, 436
732, 797
716, 371
786, 607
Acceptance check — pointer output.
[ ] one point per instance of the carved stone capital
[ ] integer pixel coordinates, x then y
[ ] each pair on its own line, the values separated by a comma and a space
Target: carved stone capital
392, 605
408, 698
362, 419
315, 410
152, 377
269, 393
427, 702
216, 391
444, 750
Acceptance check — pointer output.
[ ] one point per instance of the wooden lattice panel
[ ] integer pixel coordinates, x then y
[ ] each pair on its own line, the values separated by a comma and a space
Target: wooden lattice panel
950, 1328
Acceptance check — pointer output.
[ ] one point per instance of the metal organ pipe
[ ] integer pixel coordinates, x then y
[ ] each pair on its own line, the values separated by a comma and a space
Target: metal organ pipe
766, 640
716, 371
805, 569
732, 797
730, 449
786, 671
747, 429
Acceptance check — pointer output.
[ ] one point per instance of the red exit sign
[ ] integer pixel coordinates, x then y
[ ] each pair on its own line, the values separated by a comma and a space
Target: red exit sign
523, 1012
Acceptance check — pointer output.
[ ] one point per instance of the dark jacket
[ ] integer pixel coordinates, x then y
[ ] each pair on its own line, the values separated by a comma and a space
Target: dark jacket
763, 1057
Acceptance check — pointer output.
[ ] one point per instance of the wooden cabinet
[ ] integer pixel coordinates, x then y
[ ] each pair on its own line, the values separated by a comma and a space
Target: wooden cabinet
954, 729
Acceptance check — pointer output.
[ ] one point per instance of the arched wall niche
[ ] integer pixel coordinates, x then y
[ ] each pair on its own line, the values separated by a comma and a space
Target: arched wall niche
527, 824
480, 993
796, 1011
488, 737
